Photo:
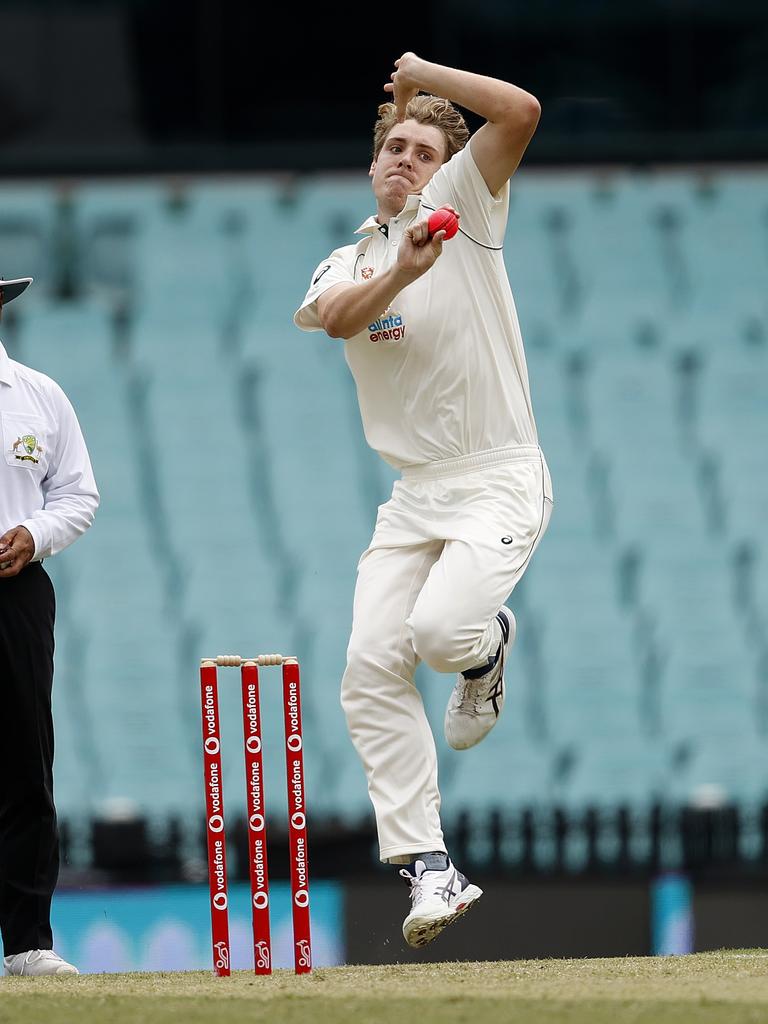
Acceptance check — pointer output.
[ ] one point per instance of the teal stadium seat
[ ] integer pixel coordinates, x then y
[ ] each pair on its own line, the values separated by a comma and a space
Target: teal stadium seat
27, 236
732, 403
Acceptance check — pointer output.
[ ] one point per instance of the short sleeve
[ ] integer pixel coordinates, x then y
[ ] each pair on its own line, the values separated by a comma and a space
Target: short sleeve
460, 184
338, 268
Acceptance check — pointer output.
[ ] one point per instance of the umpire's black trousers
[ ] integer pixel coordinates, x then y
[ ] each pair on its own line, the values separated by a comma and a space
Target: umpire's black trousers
29, 841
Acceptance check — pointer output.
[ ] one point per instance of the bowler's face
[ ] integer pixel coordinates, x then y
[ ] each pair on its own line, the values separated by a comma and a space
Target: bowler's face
409, 157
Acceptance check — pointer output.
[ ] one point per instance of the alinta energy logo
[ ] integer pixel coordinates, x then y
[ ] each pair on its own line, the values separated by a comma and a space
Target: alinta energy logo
388, 328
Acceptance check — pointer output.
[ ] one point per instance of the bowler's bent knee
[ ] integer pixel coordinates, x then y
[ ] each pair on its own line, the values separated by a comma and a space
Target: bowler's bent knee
444, 645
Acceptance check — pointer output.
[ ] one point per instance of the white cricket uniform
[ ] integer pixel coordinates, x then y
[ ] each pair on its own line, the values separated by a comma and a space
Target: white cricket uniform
46, 480
443, 390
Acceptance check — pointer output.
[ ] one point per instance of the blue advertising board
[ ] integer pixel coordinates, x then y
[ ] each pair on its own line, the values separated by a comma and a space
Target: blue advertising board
168, 928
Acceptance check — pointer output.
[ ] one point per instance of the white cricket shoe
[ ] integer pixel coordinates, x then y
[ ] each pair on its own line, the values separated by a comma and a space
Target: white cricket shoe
37, 962
438, 897
475, 704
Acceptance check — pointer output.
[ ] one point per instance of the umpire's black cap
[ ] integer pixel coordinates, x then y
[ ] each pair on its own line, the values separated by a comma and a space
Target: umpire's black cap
12, 288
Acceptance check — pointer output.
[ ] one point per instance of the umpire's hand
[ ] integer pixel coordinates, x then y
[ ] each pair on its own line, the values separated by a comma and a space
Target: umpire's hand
16, 550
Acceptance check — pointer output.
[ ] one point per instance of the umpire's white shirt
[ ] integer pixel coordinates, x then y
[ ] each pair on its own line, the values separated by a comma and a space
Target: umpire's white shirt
442, 372
46, 480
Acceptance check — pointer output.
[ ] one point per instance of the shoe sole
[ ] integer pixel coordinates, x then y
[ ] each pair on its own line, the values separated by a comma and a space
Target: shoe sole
422, 932
463, 743
46, 974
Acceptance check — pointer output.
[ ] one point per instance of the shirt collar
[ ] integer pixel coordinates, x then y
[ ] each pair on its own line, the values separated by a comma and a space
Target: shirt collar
6, 370
368, 227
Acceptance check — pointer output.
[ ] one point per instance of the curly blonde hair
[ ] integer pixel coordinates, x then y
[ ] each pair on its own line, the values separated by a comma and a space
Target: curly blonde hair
432, 110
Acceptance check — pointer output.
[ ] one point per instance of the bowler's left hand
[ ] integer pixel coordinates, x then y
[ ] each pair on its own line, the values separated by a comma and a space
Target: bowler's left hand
404, 85
17, 548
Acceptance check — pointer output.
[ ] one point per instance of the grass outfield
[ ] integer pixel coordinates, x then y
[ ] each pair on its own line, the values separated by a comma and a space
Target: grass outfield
709, 988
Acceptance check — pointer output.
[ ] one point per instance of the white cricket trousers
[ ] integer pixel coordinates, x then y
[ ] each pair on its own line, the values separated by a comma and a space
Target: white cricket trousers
447, 551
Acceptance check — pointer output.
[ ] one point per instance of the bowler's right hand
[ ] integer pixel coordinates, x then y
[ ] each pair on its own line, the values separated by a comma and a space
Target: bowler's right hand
418, 252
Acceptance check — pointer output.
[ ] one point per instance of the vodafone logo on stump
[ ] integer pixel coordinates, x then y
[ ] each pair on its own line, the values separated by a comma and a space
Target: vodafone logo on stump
212, 745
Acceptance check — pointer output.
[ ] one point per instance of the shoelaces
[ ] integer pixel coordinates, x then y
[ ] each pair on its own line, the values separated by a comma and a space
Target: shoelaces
469, 698
474, 688
415, 884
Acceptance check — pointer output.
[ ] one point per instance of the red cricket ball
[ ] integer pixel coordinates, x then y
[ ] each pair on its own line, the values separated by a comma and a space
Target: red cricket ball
443, 219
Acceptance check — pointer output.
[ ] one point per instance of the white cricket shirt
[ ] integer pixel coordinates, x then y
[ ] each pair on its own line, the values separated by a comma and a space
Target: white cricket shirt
46, 480
442, 372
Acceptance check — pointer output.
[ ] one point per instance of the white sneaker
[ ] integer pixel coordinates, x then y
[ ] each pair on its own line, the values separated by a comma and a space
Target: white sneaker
437, 899
36, 962
475, 704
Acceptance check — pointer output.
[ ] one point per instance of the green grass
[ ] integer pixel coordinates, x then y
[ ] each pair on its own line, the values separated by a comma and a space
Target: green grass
709, 988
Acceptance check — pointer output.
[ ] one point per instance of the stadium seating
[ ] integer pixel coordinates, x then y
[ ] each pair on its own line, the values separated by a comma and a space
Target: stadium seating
238, 492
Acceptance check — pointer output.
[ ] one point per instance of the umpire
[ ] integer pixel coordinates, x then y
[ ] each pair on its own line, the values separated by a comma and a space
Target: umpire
48, 497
